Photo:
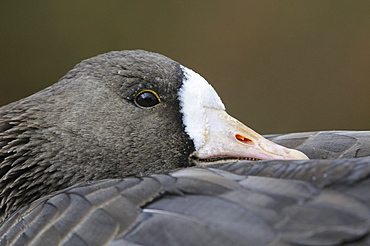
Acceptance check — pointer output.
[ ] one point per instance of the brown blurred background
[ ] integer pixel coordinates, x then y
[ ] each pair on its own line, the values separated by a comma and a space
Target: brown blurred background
279, 66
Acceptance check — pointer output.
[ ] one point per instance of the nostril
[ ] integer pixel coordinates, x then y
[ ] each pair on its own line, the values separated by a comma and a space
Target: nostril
243, 139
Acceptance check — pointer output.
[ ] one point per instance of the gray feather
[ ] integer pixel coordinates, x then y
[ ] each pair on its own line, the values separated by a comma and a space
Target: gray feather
191, 207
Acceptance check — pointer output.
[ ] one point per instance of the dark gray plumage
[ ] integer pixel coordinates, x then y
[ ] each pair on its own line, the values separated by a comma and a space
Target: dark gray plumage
327, 144
87, 127
205, 207
62, 135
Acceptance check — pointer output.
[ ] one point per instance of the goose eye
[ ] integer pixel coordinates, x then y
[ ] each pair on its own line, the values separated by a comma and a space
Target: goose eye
147, 99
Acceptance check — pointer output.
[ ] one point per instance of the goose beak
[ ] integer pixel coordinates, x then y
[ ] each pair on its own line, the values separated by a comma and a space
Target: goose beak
227, 140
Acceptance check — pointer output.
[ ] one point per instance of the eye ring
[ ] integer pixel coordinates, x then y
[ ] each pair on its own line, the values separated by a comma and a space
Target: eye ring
147, 99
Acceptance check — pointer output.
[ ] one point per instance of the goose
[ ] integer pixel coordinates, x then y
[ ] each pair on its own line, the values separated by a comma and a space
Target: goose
132, 148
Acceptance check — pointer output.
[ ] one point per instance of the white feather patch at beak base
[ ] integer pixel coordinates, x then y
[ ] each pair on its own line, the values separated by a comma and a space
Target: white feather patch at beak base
227, 139
217, 136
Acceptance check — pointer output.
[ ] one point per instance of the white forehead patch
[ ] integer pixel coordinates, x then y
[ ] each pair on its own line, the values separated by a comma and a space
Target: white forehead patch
194, 95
